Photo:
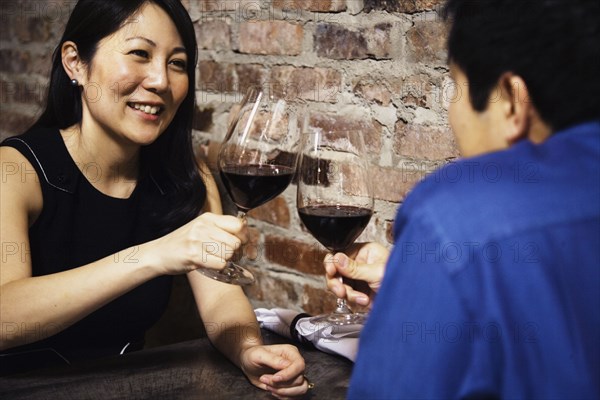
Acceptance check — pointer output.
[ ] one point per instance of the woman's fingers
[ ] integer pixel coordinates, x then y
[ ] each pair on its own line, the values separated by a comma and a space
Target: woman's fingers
288, 361
276, 368
227, 223
213, 239
293, 389
284, 359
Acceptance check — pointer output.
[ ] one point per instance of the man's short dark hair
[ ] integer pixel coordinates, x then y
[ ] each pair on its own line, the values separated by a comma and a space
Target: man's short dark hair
552, 44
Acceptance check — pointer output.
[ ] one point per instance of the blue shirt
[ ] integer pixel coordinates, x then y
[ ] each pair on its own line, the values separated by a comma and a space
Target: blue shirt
493, 285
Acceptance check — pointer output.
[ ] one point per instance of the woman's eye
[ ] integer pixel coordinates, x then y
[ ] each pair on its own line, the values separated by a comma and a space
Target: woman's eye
179, 64
139, 53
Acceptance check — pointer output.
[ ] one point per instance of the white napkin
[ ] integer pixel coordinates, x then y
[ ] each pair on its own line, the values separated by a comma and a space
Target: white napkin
334, 339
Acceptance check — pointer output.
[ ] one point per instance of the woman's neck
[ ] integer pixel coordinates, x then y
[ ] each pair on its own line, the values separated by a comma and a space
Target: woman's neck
107, 163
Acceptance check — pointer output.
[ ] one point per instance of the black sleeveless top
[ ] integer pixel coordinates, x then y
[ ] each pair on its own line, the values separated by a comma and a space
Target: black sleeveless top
78, 225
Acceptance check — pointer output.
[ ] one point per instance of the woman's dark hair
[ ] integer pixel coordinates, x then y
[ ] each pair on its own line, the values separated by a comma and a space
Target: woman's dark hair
551, 44
171, 157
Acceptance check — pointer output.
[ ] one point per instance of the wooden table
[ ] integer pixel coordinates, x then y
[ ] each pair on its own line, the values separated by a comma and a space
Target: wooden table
186, 370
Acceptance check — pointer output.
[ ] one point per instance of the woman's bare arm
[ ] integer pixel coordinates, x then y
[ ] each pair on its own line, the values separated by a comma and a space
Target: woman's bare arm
33, 308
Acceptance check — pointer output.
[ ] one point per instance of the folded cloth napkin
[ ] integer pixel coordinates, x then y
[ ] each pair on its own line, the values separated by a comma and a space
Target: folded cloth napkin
334, 339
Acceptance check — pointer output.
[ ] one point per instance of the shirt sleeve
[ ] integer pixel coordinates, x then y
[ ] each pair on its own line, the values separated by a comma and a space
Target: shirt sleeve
419, 339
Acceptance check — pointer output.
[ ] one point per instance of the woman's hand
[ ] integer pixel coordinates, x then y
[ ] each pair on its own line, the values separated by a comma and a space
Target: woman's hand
276, 368
364, 262
207, 241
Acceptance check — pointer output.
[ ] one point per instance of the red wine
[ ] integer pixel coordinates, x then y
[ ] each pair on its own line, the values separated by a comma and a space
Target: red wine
253, 185
336, 227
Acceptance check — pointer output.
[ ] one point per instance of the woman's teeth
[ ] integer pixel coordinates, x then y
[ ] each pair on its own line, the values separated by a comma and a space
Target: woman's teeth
153, 110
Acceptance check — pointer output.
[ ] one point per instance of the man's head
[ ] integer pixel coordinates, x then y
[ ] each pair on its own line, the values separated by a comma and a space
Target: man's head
531, 66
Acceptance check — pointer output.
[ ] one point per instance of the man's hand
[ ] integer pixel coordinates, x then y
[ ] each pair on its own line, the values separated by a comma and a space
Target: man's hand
363, 262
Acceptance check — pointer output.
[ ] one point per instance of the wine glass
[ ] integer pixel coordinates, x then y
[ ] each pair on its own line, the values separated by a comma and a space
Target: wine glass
335, 197
256, 161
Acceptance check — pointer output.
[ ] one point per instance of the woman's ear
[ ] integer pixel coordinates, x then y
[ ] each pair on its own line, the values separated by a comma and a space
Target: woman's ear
517, 107
71, 62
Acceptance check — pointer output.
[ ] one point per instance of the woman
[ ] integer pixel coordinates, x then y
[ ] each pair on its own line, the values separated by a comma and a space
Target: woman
113, 210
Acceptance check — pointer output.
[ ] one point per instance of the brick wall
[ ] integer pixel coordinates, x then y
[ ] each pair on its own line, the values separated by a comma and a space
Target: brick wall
374, 64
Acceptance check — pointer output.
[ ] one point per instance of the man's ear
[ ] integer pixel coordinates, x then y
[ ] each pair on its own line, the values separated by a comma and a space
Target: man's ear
516, 107
72, 63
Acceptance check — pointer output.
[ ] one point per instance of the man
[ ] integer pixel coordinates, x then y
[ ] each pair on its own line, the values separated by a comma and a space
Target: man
492, 288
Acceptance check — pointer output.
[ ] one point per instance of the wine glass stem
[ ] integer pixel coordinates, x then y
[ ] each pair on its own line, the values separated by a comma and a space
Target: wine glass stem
342, 307
241, 215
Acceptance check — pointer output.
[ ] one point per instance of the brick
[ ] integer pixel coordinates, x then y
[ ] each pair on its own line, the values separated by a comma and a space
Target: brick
216, 77
275, 212
33, 30
42, 64
213, 35
300, 256
389, 231
427, 42
217, 5
208, 151
9, 92
270, 37
311, 5
341, 43
418, 90
244, 9
264, 124
57, 29
233, 110
370, 129
418, 141
250, 75
23, 92
272, 290
251, 250
403, 6
255, 292
378, 91
15, 61
15, 123
317, 301
202, 120
392, 184
334, 179
315, 84
36, 21
5, 28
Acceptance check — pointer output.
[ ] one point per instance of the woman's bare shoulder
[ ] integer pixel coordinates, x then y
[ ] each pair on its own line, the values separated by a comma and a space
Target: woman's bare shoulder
21, 190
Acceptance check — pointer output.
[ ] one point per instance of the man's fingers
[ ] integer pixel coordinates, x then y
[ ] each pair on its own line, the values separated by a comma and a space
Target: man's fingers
349, 268
354, 296
336, 286
330, 268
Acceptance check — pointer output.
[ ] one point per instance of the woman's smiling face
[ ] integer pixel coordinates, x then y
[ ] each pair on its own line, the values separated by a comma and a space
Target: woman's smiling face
137, 79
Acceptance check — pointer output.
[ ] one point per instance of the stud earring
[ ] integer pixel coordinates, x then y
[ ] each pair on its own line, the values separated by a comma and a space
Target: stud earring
74, 82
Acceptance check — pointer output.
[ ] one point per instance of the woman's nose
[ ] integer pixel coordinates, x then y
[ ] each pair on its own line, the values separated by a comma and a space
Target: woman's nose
157, 79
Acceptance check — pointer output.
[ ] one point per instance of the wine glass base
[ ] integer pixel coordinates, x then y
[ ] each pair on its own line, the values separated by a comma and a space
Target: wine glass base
340, 319
231, 273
